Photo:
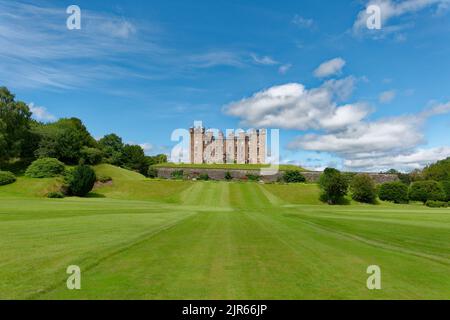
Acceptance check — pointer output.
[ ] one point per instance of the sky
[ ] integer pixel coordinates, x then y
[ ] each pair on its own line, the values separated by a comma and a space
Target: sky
341, 94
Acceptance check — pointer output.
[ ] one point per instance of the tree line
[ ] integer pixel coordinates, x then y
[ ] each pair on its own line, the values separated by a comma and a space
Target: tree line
23, 139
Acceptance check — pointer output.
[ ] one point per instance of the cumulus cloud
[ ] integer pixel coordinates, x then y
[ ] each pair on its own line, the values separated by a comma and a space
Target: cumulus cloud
391, 9
41, 113
292, 106
387, 96
379, 144
329, 68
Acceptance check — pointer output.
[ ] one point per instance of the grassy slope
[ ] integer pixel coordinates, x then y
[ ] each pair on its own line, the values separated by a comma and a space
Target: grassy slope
230, 166
219, 240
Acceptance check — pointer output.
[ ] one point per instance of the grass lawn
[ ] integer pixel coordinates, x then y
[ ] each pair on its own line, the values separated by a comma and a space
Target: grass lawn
144, 239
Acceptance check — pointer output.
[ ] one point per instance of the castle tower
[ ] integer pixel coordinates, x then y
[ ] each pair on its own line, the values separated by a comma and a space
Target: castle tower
230, 148
253, 147
197, 144
262, 140
242, 148
219, 149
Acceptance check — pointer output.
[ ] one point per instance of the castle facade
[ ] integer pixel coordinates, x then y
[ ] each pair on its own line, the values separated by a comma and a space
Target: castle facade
211, 146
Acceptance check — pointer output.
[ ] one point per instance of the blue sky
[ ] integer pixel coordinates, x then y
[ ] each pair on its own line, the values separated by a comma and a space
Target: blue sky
342, 95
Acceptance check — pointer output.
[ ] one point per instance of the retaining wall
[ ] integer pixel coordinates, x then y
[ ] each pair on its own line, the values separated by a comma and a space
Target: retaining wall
219, 174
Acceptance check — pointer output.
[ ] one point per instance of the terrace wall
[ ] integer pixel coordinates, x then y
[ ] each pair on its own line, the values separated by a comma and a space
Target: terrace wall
219, 174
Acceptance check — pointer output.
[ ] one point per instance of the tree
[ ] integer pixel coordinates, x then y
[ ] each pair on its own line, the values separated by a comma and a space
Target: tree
426, 190
15, 118
363, 189
91, 156
395, 191
293, 176
160, 158
446, 187
440, 171
64, 140
81, 180
334, 186
112, 147
133, 158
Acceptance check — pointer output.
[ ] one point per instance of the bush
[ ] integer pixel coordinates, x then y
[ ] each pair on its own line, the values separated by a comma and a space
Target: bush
177, 174
45, 168
436, 204
228, 176
55, 195
446, 187
203, 176
293, 176
152, 172
6, 177
81, 180
363, 189
426, 190
91, 155
252, 177
396, 192
334, 186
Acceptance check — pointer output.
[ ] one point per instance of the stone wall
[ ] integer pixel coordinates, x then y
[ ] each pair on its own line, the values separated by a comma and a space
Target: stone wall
219, 174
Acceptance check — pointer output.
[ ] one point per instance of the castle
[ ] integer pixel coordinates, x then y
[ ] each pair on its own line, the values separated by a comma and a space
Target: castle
211, 146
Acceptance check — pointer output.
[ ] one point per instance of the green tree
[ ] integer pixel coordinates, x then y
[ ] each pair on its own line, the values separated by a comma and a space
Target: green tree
395, 191
334, 186
133, 158
15, 118
112, 147
440, 171
426, 190
81, 180
293, 176
363, 189
64, 140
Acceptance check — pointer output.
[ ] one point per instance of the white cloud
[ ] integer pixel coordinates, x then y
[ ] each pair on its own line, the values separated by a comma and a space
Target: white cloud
387, 96
302, 22
41, 113
147, 147
284, 68
414, 160
379, 144
292, 106
392, 9
329, 68
264, 60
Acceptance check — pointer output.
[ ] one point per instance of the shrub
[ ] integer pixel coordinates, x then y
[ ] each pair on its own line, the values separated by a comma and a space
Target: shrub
177, 174
436, 204
446, 187
91, 155
396, 192
203, 176
293, 176
363, 189
55, 195
6, 177
152, 172
81, 180
252, 177
45, 168
228, 176
334, 186
426, 190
